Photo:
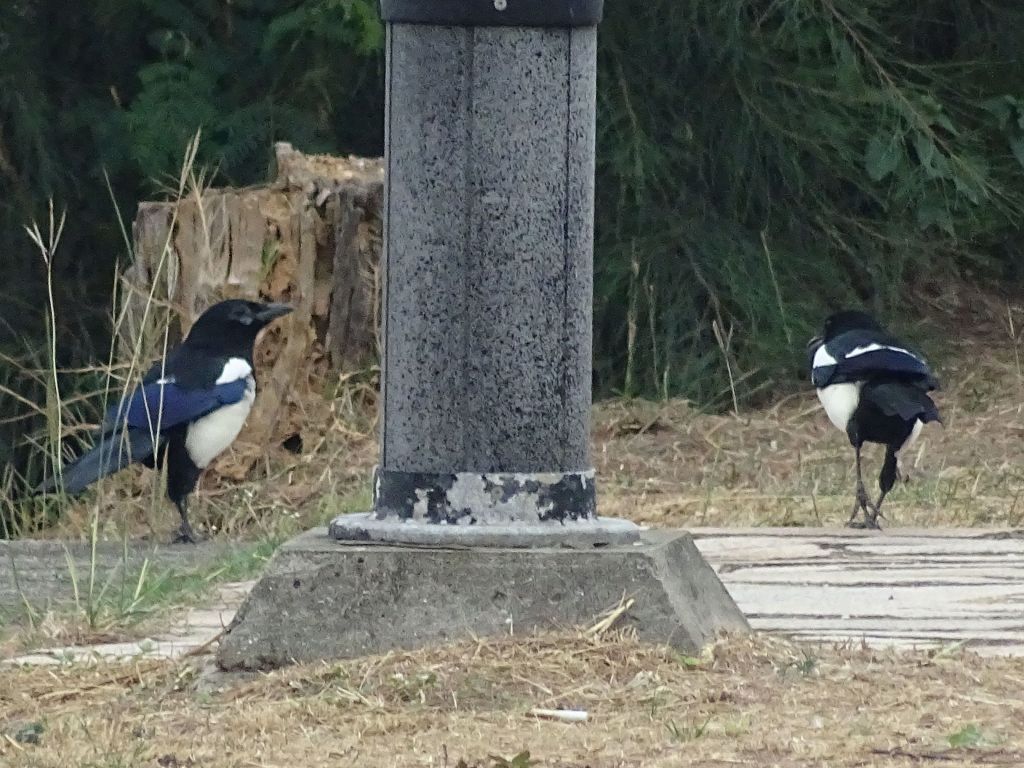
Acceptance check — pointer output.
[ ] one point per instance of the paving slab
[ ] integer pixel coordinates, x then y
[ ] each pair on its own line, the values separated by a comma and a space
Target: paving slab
192, 631
44, 572
907, 587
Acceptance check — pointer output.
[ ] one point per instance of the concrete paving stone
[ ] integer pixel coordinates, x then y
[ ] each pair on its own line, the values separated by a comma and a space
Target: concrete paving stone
898, 587
189, 631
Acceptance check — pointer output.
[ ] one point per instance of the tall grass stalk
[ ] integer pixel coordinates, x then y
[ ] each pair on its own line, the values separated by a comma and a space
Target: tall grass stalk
48, 249
125, 364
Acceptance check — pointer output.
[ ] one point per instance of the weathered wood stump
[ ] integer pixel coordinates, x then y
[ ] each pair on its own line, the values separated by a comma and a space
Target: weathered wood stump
310, 238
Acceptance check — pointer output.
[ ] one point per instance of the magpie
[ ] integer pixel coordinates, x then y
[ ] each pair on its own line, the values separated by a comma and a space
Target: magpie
188, 408
876, 390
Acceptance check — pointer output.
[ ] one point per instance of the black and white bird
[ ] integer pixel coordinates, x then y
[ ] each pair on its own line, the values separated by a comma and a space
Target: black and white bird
874, 388
187, 409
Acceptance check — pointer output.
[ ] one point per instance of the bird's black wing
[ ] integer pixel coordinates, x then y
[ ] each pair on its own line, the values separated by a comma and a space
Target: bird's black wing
865, 355
163, 405
134, 427
111, 453
895, 398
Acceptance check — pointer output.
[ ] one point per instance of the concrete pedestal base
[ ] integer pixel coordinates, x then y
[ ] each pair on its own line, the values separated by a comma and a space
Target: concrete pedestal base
323, 599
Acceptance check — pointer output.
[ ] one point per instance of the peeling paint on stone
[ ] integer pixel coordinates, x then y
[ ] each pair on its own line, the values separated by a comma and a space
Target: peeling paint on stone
472, 498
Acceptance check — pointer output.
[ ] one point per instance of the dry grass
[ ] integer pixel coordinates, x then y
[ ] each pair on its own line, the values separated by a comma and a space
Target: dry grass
747, 701
753, 701
663, 463
666, 464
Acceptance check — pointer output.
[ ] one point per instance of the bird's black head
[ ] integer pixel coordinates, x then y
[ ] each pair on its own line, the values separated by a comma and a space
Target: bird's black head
230, 327
849, 320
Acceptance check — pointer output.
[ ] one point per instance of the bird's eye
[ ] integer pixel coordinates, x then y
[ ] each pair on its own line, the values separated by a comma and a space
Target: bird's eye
243, 316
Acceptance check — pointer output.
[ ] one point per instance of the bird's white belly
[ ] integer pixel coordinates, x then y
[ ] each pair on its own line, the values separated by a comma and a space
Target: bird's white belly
840, 401
209, 436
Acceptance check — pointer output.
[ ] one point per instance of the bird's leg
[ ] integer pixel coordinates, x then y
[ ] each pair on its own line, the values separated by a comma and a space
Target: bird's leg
853, 514
862, 502
871, 521
886, 480
185, 534
872, 513
861, 496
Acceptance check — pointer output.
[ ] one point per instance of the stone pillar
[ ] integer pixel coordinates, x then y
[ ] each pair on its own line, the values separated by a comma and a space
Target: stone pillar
488, 275
486, 373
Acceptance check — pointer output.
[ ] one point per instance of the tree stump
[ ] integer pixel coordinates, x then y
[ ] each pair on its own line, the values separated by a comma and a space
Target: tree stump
311, 238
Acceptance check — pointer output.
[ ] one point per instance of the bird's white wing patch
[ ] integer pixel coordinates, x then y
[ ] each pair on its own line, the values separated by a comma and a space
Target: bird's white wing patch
209, 436
234, 369
840, 401
822, 358
874, 347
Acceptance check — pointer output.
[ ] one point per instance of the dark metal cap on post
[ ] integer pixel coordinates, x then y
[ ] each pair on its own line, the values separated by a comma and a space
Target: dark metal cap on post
493, 13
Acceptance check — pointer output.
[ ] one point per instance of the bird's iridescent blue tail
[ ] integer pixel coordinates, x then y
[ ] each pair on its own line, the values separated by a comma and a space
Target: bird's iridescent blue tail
113, 452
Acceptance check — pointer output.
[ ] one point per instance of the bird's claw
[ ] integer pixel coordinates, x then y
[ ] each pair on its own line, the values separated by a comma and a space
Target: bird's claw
186, 536
871, 512
871, 521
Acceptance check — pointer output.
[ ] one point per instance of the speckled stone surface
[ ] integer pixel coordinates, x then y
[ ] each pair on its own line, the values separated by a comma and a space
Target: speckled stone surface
488, 249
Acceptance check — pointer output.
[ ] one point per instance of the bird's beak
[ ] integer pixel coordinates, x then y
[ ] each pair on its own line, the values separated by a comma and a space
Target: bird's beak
272, 311
814, 342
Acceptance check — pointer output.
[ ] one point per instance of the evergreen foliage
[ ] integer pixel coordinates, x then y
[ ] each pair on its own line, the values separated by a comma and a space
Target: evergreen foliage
115, 89
761, 161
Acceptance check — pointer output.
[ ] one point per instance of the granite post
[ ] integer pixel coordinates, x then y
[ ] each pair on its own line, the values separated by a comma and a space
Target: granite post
486, 374
488, 273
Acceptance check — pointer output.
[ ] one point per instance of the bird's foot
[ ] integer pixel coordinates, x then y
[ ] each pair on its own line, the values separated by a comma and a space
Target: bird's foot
876, 512
869, 523
870, 509
186, 536
871, 520
871, 514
